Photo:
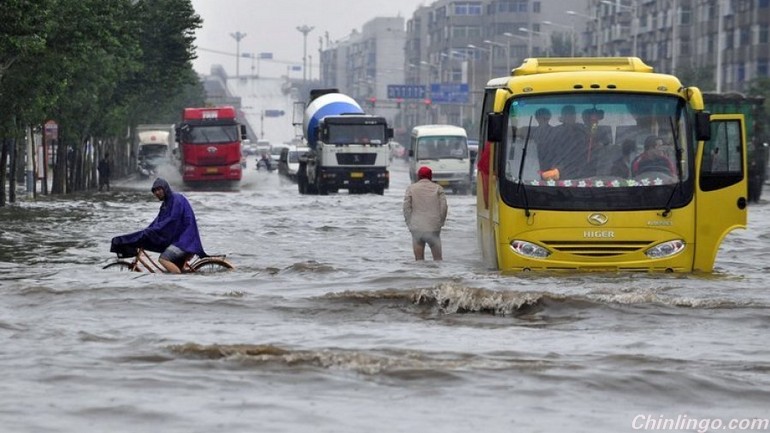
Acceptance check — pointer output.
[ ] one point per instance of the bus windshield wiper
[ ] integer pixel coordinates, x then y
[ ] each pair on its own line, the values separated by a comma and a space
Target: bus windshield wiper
521, 169
678, 153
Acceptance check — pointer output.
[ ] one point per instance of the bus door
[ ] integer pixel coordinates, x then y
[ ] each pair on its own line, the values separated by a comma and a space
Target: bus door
486, 189
721, 194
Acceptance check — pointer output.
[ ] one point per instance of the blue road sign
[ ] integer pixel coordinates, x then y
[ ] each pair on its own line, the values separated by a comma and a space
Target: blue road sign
449, 93
406, 91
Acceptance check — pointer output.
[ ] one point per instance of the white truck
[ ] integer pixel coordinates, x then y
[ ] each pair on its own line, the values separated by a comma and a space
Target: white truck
347, 148
443, 148
154, 143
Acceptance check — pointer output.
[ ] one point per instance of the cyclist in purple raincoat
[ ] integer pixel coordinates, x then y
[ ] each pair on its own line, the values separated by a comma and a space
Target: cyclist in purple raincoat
173, 233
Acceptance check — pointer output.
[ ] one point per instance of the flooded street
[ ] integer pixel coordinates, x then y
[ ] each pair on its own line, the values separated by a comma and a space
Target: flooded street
328, 325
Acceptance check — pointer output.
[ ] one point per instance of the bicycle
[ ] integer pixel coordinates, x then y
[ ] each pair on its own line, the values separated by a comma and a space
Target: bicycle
143, 262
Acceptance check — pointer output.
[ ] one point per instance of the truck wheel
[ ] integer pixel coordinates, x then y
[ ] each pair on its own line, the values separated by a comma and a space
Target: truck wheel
378, 190
320, 187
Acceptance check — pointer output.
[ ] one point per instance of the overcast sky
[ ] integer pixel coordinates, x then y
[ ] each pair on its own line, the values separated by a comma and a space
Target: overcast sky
271, 27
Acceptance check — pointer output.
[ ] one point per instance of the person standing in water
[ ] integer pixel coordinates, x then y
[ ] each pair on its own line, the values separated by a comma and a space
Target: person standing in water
425, 211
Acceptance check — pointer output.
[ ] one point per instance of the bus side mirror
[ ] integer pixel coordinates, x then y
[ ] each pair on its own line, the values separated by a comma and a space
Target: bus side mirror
243, 132
389, 133
177, 133
703, 126
495, 127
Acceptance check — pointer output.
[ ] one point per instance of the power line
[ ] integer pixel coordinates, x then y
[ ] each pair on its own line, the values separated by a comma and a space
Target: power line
226, 53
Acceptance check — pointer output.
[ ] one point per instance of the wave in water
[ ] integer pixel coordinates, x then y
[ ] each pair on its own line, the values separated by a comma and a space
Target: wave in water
393, 362
454, 298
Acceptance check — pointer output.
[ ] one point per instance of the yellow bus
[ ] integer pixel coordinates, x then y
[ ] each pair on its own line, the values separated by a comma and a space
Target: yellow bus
601, 164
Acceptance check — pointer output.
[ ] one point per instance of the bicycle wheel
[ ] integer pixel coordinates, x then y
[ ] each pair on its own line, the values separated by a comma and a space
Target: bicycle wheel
119, 266
211, 265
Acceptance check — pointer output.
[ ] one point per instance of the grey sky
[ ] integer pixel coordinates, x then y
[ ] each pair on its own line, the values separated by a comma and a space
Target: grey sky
271, 27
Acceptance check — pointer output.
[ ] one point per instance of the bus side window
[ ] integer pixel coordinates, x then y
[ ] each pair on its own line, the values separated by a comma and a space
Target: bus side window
722, 163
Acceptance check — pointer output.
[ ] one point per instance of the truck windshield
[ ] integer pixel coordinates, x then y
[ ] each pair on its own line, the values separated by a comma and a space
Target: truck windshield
212, 134
442, 147
356, 134
589, 151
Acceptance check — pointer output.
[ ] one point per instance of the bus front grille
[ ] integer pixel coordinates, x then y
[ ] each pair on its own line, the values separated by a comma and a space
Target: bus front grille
597, 248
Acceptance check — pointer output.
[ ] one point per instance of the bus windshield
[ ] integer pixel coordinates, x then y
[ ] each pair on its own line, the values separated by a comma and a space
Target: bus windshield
212, 134
442, 147
606, 150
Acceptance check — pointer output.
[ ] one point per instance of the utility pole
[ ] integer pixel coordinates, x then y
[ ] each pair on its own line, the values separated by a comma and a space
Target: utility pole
238, 36
304, 29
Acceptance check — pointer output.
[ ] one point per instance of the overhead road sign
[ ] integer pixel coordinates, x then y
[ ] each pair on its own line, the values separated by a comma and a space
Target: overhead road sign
449, 93
406, 91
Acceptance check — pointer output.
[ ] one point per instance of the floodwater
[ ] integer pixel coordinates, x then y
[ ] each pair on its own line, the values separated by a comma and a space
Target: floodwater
328, 325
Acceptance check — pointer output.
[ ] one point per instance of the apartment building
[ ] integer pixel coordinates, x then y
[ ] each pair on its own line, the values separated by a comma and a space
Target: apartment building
717, 44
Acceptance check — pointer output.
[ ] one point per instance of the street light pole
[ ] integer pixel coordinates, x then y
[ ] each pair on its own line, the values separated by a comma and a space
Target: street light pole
547, 42
304, 29
238, 36
489, 53
493, 44
720, 23
529, 40
511, 36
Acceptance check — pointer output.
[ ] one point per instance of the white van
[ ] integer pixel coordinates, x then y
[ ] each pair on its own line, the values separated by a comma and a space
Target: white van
443, 148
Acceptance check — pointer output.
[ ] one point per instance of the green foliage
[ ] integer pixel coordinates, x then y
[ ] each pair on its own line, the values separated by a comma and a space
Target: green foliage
95, 66
702, 77
561, 44
761, 87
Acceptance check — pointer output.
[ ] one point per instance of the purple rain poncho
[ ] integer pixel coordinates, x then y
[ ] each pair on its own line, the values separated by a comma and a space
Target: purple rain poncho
175, 224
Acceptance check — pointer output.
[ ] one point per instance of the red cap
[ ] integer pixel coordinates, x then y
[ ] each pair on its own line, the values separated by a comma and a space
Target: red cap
424, 173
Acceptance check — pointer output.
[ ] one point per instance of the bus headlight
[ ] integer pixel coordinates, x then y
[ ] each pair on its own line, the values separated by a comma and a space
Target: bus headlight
666, 249
528, 249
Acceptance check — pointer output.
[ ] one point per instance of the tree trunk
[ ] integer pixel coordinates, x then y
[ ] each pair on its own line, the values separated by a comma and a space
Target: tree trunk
3, 169
14, 171
60, 167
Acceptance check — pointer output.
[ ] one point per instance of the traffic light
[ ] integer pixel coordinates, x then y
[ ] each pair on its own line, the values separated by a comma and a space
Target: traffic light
398, 102
427, 103
372, 101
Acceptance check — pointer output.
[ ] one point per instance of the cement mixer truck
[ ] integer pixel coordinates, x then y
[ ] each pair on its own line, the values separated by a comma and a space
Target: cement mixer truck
348, 148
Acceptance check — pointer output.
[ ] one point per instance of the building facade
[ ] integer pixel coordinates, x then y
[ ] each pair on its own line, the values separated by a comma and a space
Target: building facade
719, 45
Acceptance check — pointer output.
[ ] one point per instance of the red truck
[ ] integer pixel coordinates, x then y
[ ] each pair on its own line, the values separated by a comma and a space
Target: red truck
209, 146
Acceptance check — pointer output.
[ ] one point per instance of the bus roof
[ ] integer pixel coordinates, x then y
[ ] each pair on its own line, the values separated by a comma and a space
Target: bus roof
567, 74
544, 65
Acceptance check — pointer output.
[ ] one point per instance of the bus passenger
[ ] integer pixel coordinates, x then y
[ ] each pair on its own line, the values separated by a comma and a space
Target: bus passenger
622, 166
570, 147
653, 159
542, 135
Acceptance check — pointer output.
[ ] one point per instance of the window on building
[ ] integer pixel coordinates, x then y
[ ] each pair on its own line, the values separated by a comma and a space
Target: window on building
745, 36
764, 34
729, 36
685, 16
741, 73
536, 7
762, 69
763, 4
467, 8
